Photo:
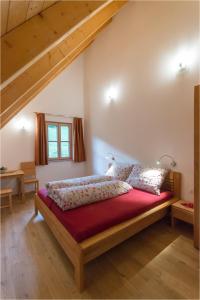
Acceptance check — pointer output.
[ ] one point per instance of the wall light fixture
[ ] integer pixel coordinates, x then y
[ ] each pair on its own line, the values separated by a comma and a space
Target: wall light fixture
112, 94
110, 156
172, 164
185, 58
23, 124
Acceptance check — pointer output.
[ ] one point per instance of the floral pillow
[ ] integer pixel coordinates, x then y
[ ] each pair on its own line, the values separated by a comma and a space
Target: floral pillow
120, 171
147, 179
77, 181
71, 197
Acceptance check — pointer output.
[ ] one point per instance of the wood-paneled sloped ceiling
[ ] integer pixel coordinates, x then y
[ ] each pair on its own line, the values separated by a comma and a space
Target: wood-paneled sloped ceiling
16, 12
37, 50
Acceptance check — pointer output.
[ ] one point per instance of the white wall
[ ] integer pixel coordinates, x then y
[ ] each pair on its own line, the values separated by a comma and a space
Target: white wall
153, 112
64, 95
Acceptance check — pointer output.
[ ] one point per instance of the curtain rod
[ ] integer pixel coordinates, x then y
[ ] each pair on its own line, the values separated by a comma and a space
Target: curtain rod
63, 116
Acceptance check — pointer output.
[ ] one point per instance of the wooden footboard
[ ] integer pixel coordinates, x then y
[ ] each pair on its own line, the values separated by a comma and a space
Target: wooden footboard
81, 253
70, 246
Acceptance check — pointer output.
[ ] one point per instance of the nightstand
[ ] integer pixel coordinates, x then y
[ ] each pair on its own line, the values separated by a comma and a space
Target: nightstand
181, 212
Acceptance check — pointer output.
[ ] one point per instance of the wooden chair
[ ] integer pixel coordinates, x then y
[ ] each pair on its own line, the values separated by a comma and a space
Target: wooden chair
30, 174
6, 193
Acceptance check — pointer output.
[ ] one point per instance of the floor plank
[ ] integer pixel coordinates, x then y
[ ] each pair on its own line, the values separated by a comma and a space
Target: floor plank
158, 263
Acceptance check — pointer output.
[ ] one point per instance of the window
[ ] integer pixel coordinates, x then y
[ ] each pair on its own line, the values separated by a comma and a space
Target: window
59, 138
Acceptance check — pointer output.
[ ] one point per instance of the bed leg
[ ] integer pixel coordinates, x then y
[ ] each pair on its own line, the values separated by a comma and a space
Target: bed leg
36, 209
79, 275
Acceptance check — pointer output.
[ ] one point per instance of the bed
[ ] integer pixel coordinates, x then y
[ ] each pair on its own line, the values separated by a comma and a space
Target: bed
87, 232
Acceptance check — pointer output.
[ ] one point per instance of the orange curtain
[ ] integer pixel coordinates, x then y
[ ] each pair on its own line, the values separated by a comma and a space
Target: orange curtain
41, 157
79, 148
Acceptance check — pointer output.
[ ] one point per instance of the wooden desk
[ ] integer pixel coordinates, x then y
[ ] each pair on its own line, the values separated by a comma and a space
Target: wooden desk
15, 174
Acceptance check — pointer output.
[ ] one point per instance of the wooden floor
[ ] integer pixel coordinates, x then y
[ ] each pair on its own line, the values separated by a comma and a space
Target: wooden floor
158, 263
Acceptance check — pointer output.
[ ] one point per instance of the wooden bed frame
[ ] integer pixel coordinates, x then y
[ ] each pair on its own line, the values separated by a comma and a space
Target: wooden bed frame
83, 252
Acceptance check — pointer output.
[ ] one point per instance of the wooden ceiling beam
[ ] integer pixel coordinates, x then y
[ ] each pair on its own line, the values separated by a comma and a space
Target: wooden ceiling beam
21, 45
22, 89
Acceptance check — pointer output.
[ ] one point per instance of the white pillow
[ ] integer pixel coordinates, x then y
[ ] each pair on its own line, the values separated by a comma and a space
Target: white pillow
147, 179
120, 171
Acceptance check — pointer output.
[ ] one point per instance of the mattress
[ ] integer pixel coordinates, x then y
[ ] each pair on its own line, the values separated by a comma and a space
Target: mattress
86, 221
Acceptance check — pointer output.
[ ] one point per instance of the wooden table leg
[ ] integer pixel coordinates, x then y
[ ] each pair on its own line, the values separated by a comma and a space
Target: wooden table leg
173, 221
10, 202
22, 187
35, 204
19, 186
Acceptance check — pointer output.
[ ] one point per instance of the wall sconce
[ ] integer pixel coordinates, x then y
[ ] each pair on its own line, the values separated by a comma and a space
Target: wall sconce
23, 124
182, 66
110, 157
172, 164
111, 94
184, 59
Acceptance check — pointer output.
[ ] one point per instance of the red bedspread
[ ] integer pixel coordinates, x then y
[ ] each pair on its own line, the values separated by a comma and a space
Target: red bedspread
86, 221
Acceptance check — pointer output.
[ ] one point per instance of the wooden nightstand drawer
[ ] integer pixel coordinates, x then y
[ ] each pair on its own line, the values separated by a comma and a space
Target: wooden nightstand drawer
181, 212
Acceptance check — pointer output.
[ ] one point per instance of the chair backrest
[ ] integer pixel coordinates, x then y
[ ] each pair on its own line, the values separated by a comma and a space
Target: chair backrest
28, 168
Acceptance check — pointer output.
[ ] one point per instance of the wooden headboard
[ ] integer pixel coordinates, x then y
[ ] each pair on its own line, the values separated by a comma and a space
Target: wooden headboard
172, 183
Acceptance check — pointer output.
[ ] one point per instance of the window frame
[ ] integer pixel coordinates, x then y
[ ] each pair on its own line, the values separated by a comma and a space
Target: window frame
59, 124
